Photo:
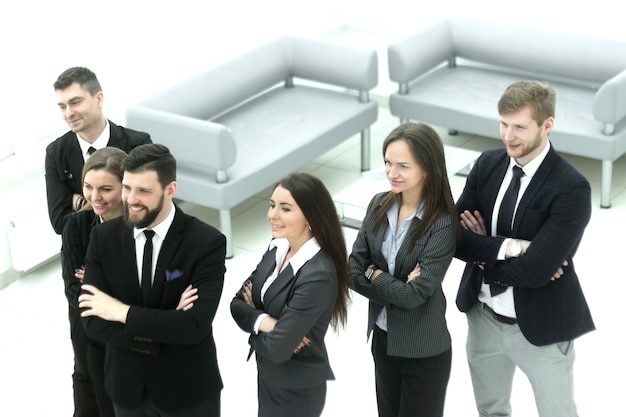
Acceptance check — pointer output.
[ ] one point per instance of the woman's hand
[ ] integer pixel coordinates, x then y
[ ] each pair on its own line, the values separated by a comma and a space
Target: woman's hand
415, 273
247, 293
187, 298
79, 273
305, 342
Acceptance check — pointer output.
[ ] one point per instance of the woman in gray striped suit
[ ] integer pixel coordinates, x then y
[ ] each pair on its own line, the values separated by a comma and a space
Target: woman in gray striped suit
398, 261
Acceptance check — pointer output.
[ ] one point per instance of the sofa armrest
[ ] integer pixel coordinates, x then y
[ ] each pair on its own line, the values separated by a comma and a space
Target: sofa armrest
334, 63
200, 145
609, 103
419, 52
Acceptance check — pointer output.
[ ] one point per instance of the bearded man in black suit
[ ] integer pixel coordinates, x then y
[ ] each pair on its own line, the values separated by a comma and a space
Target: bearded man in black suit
160, 360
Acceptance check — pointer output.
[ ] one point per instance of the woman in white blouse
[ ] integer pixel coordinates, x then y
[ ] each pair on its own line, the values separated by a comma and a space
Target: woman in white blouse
300, 286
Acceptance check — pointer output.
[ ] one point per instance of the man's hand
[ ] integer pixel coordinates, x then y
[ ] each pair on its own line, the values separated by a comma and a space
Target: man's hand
100, 304
187, 298
473, 222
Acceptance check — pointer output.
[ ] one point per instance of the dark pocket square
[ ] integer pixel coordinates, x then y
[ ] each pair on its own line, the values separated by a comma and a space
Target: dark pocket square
172, 275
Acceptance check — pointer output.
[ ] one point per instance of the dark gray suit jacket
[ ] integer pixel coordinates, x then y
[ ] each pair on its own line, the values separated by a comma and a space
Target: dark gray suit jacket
303, 305
64, 168
553, 214
416, 310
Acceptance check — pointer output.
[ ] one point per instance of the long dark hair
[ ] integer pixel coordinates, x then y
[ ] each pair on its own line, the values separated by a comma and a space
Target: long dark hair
318, 208
427, 150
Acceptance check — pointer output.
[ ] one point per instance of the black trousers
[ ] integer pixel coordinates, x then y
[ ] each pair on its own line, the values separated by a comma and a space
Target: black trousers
409, 387
283, 402
95, 359
207, 408
85, 404
90, 397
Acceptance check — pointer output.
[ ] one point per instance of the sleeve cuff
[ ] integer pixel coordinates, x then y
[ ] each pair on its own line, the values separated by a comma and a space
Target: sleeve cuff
258, 321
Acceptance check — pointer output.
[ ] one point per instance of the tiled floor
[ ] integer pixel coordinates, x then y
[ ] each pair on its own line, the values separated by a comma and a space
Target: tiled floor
36, 355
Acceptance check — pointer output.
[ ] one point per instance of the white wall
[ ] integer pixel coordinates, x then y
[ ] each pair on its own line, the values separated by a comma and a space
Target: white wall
134, 46
138, 46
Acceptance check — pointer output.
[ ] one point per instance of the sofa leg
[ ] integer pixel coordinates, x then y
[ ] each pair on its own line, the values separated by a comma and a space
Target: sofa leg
365, 149
453, 132
607, 174
227, 229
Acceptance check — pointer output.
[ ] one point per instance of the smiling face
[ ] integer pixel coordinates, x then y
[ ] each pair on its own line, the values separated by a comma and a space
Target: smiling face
404, 173
103, 190
144, 199
82, 111
286, 218
523, 137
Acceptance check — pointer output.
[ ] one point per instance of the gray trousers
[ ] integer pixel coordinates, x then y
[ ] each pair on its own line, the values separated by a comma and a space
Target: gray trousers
495, 350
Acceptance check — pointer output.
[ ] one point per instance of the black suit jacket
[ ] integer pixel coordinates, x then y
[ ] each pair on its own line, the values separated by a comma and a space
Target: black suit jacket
303, 305
553, 214
168, 352
75, 242
64, 167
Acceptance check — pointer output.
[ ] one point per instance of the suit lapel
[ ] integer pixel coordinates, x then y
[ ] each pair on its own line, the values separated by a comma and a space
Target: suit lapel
284, 279
377, 238
73, 159
536, 184
404, 253
116, 136
264, 270
168, 250
494, 182
129, 262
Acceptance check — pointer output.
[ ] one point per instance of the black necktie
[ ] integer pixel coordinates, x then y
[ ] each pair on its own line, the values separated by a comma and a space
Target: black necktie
505, 216
146, 267
91, 150
507, 208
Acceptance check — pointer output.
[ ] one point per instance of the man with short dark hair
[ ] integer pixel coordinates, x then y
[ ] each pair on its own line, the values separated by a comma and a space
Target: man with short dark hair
80, 99
161, 361
523, 212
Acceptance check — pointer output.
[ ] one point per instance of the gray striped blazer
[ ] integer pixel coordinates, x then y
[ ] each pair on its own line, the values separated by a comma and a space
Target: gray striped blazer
415, 311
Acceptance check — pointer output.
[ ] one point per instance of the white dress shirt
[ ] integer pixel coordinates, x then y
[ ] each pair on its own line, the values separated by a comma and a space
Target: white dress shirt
101, 141
160, 231
504, 303
308, 250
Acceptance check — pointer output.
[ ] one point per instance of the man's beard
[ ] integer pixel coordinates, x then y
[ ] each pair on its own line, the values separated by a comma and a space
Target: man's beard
149, 217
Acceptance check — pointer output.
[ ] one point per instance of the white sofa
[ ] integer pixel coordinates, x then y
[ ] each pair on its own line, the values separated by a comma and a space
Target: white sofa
453, 72
242, 124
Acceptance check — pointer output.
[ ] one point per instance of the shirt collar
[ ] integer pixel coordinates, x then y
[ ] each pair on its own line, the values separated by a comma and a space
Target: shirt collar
419, 213
531, 168
306, 252
160, 229
101, 141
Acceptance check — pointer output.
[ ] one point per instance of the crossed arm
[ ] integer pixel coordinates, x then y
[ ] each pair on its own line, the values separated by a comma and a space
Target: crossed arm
100, 304
268, 322
474, 222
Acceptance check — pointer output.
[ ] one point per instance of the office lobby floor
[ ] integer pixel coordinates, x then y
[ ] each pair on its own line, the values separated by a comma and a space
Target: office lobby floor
36, 355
